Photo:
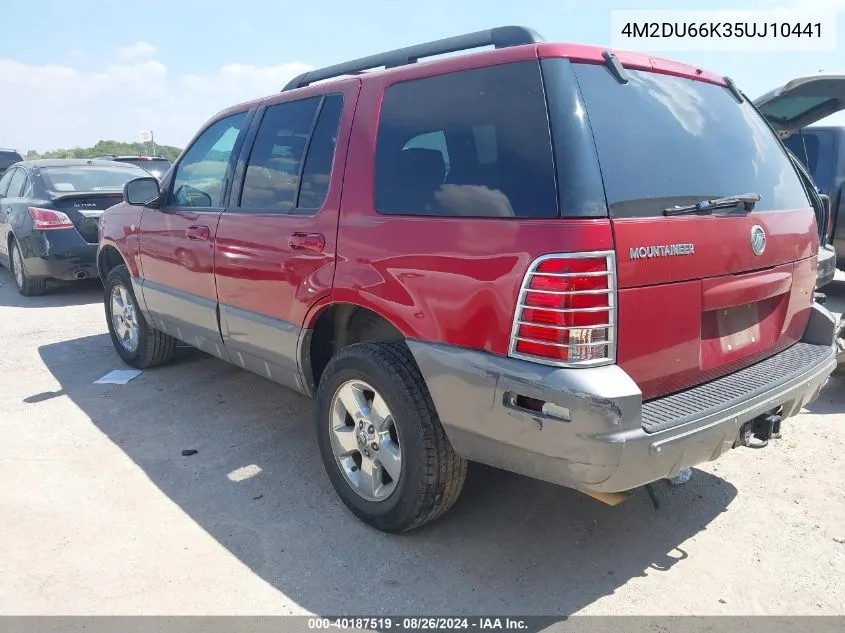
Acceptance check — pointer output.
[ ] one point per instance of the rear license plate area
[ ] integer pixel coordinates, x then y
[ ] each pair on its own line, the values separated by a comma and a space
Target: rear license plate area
738, 327
733, 333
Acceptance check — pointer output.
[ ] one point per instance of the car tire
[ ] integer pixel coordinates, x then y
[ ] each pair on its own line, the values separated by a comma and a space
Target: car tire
144, 346
431, 476
26, 285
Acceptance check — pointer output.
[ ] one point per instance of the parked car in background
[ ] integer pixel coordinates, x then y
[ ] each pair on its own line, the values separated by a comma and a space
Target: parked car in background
49, 217
588, 267
156, 165
792, 109
8, 157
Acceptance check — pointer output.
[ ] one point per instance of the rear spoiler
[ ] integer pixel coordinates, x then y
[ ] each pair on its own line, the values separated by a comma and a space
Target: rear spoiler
78, 195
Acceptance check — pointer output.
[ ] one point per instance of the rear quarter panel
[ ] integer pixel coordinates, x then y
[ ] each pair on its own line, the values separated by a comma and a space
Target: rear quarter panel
448, 279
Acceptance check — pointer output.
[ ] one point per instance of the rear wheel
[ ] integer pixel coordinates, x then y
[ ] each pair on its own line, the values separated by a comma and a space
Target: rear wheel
381, 441
136, 341
26, 285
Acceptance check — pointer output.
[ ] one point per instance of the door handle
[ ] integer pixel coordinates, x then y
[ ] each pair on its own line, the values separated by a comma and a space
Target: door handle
198, 233
307, 242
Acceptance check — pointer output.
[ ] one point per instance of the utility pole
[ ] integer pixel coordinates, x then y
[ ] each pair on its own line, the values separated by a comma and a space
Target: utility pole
153, 140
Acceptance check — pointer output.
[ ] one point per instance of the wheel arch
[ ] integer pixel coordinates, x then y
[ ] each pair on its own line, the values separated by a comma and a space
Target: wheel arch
334, 326
108, 258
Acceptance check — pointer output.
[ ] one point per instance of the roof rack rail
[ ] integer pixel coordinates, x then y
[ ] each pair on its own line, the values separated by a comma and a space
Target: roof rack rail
499, 37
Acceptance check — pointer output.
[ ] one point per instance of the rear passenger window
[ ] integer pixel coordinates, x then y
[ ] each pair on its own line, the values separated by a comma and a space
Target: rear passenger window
470, 143
317, 172
272, 173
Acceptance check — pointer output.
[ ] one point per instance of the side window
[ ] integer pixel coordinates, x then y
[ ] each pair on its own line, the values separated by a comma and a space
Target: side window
201, 173
4, 182
272, 174
16, 184
469, 143
318, 163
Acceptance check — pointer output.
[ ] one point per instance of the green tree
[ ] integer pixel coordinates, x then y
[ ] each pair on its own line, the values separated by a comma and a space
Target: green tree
103, 148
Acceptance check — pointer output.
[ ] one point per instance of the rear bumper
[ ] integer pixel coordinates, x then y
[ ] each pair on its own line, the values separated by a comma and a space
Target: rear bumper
826, 266
594, 439
58, 254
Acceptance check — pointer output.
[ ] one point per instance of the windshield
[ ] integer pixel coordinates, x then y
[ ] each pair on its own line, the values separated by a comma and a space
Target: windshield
664, 140
88, 178
156, 166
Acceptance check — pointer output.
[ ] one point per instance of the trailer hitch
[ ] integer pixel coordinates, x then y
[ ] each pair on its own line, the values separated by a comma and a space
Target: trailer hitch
757, 432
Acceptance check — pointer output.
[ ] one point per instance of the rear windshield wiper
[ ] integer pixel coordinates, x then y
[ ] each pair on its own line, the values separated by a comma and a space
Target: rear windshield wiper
747, 200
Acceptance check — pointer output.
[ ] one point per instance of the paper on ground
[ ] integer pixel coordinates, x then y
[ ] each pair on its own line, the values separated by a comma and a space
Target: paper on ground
118, 377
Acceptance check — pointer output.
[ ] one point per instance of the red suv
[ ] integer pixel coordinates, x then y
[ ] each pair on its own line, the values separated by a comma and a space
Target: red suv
591, 268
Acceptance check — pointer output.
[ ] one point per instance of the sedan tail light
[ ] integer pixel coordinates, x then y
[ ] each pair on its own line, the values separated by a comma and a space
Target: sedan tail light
565, 315
47, 219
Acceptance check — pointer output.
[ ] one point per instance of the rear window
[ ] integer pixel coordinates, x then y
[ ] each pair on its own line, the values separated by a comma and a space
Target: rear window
664, 140
7, 159
85, 178
470, 143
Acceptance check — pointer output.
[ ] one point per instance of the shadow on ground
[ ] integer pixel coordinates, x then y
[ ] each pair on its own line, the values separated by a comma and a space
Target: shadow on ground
58, 293
511, 545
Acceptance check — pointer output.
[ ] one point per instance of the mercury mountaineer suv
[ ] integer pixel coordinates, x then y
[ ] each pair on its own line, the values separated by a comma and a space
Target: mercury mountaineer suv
593, 268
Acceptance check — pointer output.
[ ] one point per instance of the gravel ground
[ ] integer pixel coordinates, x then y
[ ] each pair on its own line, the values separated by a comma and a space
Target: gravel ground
102, 514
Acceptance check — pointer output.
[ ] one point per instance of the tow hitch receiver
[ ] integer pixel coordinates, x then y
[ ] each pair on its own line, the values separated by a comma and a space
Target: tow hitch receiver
761, 429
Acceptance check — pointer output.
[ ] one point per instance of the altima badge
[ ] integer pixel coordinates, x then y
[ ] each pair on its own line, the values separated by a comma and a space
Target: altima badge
758, 239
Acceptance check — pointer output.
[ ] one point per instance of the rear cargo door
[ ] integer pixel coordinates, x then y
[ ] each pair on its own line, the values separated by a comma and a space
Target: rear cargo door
85, 209
803, 101
704, 294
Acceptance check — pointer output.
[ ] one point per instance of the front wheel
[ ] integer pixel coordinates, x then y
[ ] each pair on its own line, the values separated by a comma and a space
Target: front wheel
381, 441
137, 343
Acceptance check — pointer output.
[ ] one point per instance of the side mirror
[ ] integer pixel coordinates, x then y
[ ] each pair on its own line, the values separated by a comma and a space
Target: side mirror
141, 191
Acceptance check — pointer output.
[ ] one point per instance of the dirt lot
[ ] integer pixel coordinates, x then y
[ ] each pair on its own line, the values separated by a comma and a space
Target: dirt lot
101, 513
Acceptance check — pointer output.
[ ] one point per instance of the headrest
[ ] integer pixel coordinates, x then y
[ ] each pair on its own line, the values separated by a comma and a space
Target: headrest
420, 165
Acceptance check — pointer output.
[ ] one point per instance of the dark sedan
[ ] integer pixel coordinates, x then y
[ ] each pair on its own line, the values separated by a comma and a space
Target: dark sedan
49, 217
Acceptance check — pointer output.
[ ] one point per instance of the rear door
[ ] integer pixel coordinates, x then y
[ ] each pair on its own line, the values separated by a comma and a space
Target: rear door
177, 239
699, 295
275, 248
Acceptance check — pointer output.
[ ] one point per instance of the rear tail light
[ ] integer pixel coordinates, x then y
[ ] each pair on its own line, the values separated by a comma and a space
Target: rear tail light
566, 313
47, 219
